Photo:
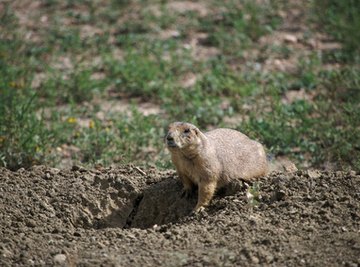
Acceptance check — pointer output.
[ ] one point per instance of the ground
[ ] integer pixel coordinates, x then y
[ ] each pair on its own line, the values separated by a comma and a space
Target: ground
95, 84
128, 216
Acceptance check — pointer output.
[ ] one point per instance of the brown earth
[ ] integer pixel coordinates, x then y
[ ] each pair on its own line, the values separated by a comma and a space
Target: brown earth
126, 216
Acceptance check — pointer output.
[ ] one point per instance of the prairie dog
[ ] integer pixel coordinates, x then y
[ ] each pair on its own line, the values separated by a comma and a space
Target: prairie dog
210, 160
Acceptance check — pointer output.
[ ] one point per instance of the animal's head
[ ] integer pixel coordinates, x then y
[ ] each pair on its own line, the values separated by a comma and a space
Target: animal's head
183, 136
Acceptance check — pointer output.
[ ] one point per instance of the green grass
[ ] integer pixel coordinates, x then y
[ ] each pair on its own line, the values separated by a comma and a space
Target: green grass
341, 20
239, 26
253, 195
88, 54
128, 138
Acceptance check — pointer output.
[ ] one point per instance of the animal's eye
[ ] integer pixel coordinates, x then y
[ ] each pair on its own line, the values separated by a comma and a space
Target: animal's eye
187, 130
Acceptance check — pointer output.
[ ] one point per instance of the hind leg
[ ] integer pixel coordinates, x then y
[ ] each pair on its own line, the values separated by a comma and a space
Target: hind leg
206, 193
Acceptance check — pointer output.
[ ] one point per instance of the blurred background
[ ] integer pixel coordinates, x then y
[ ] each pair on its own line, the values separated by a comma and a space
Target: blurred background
97, 82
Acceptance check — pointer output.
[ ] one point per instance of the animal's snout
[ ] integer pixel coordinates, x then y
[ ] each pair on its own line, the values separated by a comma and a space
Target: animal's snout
170, 141
169, 138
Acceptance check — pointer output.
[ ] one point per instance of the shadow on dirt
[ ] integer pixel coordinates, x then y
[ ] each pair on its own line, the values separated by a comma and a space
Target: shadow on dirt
128, 204
160, 203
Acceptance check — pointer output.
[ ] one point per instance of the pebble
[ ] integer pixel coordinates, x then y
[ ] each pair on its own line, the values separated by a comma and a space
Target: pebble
290, 38
254, 259
313, 174
30, 223
60, 258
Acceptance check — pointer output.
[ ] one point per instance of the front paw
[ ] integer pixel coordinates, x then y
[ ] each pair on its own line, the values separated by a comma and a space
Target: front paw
198, 209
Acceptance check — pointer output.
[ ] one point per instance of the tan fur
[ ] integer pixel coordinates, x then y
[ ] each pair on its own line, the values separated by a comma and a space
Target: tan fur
210, 160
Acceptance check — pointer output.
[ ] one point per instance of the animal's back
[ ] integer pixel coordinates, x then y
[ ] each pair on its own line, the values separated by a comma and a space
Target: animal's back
240, 156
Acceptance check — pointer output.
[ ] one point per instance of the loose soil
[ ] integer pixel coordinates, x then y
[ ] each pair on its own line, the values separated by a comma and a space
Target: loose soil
127, 216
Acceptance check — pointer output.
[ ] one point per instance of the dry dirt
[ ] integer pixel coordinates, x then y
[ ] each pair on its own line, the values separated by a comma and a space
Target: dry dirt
127, 216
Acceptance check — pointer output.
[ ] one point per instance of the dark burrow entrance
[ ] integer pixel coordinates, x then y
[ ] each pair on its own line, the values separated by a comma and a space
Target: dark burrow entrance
128, 206
157, 204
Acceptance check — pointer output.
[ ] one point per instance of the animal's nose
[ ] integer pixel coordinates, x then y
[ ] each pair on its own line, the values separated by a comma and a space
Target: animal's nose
170, 141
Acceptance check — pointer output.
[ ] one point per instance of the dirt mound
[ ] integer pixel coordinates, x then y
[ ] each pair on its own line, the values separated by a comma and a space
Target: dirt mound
132, 217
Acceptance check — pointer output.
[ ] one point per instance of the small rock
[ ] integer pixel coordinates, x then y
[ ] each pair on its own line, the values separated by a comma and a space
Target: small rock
167, 235
60, 259
338, 173
131, 236
175, 232
6, 253
88, 177
255, 259
30, 223
290, 38
78, 168
101, 245
269, 258
283, 164
21, 170
313, 43
44, 19
53, 171
166, 34
290, 167
313, 174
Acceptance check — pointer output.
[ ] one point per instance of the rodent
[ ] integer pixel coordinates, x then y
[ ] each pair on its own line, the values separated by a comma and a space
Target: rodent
211, 159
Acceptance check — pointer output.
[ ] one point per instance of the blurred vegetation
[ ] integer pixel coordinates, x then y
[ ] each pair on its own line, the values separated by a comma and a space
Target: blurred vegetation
74, 77
341, 20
